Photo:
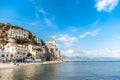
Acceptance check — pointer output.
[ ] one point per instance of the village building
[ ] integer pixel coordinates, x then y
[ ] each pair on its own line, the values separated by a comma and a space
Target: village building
18, 33
34, 48
17, 51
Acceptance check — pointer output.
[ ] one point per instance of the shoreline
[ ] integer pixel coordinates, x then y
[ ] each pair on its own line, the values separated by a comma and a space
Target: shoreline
11, 65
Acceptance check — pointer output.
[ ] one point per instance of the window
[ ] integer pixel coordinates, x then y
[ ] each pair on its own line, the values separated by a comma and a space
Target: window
23, 53
17, 52
7, 55
2, 55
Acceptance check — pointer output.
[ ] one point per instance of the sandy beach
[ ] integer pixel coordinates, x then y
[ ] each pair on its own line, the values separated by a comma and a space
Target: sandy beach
11, 65
6, 65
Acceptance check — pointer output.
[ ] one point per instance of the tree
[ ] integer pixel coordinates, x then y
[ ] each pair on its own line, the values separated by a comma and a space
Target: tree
42, 43
39, 49
4, 42
30, 35
29, 55
6, 26
1, 25
20, 40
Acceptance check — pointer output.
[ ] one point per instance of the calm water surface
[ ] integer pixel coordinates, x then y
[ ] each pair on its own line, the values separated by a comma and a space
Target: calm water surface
66, 71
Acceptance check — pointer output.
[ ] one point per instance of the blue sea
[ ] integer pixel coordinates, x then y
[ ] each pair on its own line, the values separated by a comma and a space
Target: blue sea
67, 71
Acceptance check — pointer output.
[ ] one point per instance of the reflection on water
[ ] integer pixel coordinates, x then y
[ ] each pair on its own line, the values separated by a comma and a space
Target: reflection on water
34, 72
66, 71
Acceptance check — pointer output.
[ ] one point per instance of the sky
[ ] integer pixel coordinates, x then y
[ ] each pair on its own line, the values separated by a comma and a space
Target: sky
82, 29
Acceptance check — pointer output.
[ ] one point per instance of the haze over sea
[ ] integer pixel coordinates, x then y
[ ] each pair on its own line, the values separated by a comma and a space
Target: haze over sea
67, 71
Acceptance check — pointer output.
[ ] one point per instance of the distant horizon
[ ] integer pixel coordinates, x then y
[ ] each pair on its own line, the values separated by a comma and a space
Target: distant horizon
81, 28
96, 61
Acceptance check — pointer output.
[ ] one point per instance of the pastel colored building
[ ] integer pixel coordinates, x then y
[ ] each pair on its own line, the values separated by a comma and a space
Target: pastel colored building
18, 33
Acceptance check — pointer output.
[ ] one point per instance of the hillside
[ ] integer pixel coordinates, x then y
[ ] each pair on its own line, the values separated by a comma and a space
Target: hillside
4, 31
17, 44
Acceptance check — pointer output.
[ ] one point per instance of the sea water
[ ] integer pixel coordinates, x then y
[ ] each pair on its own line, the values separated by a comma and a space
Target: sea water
66, 71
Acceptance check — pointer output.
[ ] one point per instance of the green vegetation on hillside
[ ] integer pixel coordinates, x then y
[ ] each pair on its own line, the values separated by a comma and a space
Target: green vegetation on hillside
1, 25
5, 27
29, 55
4, 42
42, 43
39, 49
18, 27
32, 38
20, 41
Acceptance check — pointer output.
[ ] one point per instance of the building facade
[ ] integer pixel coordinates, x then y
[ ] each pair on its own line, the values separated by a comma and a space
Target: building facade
16, 51
55, 53
18, 33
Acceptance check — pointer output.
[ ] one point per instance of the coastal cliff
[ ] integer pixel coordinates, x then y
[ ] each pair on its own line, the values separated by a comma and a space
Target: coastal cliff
18, 44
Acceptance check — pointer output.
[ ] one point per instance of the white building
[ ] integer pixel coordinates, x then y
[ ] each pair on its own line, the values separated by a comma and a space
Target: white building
33, 50
18, 51
4, 56
18, 33
38, 40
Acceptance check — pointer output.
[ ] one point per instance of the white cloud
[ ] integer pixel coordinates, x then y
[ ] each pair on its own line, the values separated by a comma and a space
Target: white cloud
118, 37
21, 22
106, 5
12, 20
105, 52
33, 2
71, 48
42, 11
70, 53
96, 22
34, 23
47, 18
66, 43
65, 39
49, 22
37, 9
92, 33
